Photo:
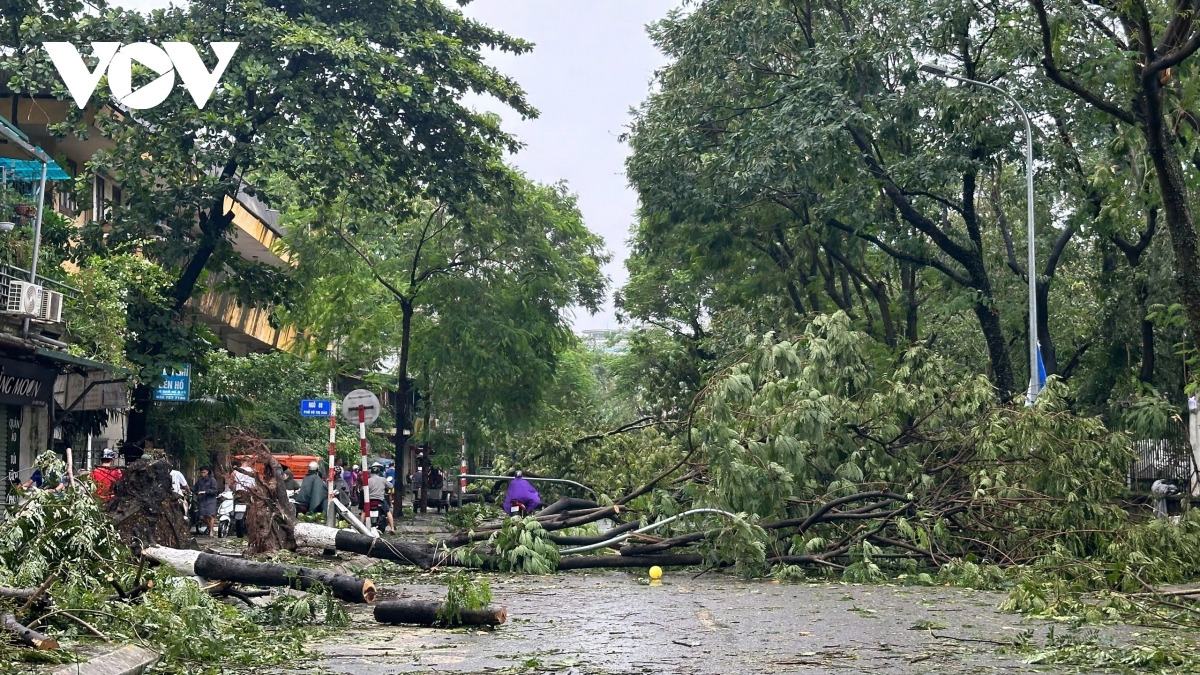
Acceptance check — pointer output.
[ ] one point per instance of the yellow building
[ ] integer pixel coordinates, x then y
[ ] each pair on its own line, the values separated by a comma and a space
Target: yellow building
45, 379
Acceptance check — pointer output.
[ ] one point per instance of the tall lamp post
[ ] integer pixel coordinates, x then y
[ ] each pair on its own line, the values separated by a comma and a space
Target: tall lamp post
1034, 380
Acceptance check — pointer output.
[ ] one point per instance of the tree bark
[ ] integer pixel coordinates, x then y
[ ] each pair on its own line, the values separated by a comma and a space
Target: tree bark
993, 335
403, 422
311, 535
427, 613
137, 426
21, 594
591, 561
224, 568
26, 635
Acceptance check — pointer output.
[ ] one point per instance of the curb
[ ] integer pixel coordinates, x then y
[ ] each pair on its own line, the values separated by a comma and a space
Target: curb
127, 660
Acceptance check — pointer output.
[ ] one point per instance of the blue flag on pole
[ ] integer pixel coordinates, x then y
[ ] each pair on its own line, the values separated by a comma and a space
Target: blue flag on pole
1041, 369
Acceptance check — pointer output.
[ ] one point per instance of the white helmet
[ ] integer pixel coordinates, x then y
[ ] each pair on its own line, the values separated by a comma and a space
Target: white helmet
313, 466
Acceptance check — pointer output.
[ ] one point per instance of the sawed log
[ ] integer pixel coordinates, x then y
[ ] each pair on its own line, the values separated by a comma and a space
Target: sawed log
312, 535
425, 613
26, 635
225, 568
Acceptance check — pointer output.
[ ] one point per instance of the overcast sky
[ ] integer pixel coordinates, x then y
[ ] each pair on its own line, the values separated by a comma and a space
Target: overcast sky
592, 62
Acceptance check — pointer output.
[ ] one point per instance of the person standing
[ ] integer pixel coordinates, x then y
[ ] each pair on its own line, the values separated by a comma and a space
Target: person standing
355, 482
206, 499
341, 489
106, 475
244, 480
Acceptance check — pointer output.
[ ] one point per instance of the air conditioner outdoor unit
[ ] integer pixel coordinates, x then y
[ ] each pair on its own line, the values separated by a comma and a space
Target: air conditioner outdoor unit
51, 306
23, 298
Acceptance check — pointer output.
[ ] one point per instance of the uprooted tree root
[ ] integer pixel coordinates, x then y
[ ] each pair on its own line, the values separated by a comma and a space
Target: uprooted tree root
144, 508
270, 517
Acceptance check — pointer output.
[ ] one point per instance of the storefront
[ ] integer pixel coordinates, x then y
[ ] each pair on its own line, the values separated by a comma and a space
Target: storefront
26, 393
39, 390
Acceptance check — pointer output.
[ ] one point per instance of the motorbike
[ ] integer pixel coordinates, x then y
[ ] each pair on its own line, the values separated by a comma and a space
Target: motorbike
376, 516
224, 513
231, 515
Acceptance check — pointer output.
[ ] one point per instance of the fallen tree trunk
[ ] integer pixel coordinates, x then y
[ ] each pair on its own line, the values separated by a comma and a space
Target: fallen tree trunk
658, 547
551, 523
26, 635
427, 613
567, 504
22, 594
312, 535
225, 568
563, 540
590, 561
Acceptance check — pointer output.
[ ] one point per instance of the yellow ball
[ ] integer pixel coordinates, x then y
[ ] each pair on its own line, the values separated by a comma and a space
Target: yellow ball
656, 572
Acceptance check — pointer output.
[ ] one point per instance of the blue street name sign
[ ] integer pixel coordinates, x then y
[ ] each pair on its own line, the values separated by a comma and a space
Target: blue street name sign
176, 386
315, 408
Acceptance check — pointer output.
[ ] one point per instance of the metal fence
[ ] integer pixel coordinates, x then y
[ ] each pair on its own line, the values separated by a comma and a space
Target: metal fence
1169, 458
13, 273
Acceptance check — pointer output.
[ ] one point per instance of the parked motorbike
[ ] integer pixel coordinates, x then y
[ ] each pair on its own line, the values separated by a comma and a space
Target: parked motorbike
231, 515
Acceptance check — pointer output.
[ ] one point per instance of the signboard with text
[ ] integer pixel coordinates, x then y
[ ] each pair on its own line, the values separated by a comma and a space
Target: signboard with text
176, 385
316, 407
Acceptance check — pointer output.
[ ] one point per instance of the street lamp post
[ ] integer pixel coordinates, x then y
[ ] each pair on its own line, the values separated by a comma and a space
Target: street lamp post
1034, 384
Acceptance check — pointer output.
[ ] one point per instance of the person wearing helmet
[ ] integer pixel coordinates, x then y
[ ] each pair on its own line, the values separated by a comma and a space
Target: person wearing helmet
313, 492
106, 475
377, 485
522, 495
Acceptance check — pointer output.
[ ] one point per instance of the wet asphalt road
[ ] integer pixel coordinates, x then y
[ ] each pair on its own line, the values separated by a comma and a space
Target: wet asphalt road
612, 622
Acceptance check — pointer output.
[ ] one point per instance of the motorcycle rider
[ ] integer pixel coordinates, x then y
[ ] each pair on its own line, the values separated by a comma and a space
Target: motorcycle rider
378, 487
521, 493
314, 492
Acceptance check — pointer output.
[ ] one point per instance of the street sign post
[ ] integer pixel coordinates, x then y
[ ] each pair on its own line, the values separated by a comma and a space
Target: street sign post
316, 407
176, 386
363, 407
369, 403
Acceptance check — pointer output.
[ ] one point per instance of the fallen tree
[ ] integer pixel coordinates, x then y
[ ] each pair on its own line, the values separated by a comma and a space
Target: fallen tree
26, 635
270, 515
425, 556
226, 568
145, 509
432, 612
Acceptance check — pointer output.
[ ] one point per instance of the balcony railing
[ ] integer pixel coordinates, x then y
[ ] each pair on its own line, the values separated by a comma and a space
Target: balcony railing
13, 273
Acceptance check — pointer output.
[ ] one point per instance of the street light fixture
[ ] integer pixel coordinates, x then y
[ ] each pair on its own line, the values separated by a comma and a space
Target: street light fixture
1034, 383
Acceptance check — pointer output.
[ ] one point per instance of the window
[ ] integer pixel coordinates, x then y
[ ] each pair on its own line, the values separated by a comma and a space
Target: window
116, 195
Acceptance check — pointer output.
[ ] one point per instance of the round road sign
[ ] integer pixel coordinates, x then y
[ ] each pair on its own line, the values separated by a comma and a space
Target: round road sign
364, 398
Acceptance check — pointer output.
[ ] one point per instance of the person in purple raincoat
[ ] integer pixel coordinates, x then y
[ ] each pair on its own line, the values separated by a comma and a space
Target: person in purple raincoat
520, 491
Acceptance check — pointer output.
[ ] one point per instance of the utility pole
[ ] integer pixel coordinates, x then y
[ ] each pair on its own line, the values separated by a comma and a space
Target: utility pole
1034, 381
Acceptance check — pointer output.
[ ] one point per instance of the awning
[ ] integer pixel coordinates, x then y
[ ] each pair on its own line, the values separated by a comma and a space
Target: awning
31, 170
71, 359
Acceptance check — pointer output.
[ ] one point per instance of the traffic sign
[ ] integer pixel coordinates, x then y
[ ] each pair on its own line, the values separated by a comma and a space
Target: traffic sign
176, 386
364, 398
315, 407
